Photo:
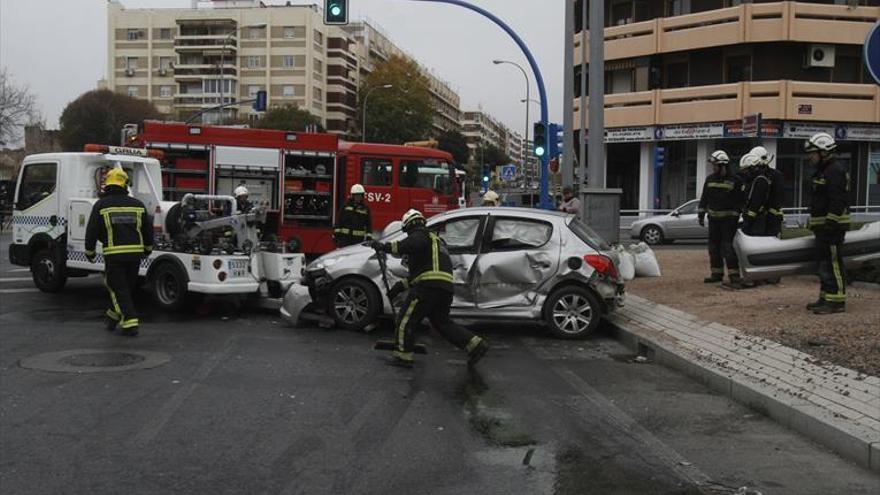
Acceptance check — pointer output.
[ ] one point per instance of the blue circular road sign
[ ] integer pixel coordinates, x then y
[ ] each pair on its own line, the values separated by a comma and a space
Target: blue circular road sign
872, 52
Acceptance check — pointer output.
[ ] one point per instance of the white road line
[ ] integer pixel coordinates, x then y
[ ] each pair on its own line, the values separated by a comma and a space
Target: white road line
18, 291
15, 279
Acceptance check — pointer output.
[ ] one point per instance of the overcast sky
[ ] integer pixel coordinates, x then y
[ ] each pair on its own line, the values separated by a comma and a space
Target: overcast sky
59, 47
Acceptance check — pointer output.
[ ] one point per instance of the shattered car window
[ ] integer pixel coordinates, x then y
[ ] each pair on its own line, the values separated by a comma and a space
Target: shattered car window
588, 235
511, 234
459, 234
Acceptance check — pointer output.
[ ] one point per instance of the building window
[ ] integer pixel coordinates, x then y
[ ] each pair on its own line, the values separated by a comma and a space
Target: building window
133, 91
319, 66
135, 34
317, 94
319, 38
253, 61
165, 63
254, 33
165, 91
252, 90
287, 91
131, 63
165, 33
287, 61
738, 69
289, 32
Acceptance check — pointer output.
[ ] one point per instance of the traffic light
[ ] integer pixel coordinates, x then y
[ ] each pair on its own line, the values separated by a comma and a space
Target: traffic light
553, 143
336, 12
487, 174
659, 157
260, 102
540, 139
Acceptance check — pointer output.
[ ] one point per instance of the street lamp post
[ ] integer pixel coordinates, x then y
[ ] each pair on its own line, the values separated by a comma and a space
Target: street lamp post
364, 120
526, 76
226, 40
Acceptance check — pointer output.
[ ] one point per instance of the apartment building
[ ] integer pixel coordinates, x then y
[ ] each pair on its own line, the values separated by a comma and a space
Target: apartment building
480, 129
187, 60
692, 76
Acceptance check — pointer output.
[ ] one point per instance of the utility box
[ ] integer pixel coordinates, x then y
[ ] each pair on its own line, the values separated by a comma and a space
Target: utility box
600, 209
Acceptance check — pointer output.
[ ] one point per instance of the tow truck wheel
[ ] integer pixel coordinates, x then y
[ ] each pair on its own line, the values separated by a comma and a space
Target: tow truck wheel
353, 303
168, 283
572, 312
48, 273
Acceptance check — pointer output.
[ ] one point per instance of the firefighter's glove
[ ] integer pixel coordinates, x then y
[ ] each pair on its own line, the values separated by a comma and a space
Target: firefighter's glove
91, 256
396, 290
702, 219
377, 246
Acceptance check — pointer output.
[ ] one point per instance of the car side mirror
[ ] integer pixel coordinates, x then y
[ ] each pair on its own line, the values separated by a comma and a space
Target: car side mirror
675, 213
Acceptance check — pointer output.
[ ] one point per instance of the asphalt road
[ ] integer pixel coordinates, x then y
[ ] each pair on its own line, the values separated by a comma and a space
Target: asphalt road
247, 405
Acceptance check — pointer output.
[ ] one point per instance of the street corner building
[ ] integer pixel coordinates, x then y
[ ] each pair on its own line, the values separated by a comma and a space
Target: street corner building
686, 77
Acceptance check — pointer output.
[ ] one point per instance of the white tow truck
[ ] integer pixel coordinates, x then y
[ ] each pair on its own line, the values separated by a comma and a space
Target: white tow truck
203, 244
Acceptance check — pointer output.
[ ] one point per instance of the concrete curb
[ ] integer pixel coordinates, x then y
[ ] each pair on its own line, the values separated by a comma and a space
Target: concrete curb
834, 406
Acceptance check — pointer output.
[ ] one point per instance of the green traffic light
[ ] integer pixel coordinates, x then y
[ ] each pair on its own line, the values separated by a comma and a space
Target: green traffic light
335, 10
539, 150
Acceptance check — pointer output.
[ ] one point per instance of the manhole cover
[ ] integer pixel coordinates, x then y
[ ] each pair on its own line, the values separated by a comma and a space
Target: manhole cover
104, 359
94, 361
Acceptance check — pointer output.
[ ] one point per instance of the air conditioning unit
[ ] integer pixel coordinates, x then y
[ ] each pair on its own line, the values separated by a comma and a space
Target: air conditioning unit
163, 72
129, 72
820, 56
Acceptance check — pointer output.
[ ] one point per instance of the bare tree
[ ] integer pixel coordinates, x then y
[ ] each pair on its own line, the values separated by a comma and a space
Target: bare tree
18, 107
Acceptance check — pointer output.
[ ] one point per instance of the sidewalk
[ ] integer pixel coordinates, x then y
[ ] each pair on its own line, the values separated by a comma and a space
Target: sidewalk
835, 406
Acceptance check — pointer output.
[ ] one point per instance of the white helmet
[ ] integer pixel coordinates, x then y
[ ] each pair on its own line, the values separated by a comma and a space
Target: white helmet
240, 191
821, 141
357, 189
490, 196
411, 216
719, 158
748, 160
764, 157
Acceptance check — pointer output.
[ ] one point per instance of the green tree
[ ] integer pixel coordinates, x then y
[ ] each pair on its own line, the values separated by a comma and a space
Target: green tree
455, 144
97, 117
491, 155
288, 118
400, 113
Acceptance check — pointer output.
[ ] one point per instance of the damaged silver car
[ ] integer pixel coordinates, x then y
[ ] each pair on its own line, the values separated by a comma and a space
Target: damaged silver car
763, 258
509, 264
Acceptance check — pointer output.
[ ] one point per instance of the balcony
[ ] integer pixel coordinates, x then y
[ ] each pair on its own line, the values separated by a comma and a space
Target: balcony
211, 43
194, 72
777, 100
201, 100
747, 23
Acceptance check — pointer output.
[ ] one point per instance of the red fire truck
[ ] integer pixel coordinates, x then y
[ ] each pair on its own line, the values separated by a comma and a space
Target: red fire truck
303, 178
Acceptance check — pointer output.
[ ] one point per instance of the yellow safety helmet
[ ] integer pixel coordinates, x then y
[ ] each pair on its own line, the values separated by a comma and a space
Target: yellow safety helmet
116, 177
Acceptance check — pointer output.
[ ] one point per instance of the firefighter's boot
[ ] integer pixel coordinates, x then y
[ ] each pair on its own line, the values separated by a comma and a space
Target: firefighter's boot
814, 305
828, 308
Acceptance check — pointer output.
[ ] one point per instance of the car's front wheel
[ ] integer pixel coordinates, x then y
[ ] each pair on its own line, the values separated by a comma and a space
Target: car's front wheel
354, 303
652, 235
47, 271
572, 312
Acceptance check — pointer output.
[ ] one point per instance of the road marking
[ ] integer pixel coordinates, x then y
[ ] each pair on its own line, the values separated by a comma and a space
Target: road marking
18, 291
20, 270
16, 279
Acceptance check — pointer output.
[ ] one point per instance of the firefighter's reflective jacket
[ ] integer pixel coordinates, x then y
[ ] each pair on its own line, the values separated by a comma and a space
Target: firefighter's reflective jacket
722, 196
122, 225
429, 262
830, 206
354, 224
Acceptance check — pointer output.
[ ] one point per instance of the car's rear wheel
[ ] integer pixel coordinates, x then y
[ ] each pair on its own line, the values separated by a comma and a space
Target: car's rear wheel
168, 284
354, 303
572, 312
652, 235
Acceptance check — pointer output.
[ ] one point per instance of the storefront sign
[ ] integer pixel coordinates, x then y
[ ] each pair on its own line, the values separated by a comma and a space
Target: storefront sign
797, 130
697, 131
862, 133
751, 125
629, 134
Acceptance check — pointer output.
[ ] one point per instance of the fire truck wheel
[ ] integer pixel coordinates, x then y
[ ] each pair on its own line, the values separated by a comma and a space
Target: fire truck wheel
47, 271
354, 303
168, 284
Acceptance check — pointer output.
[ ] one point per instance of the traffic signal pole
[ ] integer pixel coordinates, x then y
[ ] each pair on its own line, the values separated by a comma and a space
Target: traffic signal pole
545, 202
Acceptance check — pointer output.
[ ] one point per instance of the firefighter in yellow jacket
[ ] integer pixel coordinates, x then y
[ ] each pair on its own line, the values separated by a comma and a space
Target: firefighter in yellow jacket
353, 224
125, 230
